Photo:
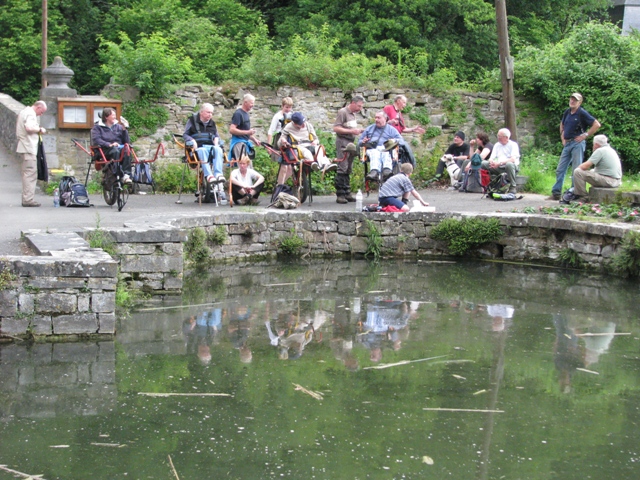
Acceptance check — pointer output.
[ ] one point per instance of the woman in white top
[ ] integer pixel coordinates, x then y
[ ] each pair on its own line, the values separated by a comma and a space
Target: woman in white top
246, 183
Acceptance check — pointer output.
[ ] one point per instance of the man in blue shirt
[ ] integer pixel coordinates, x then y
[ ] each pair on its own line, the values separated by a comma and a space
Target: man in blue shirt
577, 124
373, 139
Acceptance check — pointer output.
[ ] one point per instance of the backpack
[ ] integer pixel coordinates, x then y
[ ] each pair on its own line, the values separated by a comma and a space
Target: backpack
64, 187
286, 201
499, 184
78, 196
472, 182
280, 188
142, 173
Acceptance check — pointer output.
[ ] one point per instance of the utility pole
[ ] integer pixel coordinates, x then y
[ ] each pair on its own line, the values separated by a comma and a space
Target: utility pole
506, 69
45, 15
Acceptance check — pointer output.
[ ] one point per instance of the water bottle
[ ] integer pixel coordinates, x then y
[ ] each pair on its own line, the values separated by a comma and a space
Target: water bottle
359, 201
56, 198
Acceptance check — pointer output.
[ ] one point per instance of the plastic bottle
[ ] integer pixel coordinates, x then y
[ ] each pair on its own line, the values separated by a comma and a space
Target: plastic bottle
56, 198
359, 201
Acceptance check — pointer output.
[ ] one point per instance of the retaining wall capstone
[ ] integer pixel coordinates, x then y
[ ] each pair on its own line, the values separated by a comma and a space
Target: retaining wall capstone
72, 292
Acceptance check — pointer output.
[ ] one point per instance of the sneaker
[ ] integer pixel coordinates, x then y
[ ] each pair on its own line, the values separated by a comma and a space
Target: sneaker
350, 198
554, 196
315, 166
242, 201
372, 175
513, 190
31, 204
221, 179
126, 179
211, 179
329, 167
341, 199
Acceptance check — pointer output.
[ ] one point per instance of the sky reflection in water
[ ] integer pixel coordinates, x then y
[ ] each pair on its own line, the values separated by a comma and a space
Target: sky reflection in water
342, 370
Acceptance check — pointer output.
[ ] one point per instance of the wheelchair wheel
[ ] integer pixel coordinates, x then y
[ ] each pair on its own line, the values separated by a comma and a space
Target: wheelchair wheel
305, 189
122, 193
109, 194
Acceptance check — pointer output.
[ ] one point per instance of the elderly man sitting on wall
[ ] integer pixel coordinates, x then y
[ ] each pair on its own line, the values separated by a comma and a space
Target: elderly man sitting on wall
606, 172
505, 157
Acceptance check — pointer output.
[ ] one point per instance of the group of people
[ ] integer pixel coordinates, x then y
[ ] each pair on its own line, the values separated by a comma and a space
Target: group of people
379, 141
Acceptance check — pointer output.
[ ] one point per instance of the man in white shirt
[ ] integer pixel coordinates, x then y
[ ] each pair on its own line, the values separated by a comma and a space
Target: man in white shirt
27, 131
505, 157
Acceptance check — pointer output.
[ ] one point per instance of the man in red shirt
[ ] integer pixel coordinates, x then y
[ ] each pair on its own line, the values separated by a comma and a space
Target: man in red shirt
396, 120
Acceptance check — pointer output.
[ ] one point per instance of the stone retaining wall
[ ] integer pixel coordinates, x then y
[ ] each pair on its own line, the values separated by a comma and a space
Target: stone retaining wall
73, 292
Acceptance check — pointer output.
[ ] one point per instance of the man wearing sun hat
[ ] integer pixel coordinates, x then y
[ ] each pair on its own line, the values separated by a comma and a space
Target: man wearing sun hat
301, 133
575, 127
374, 139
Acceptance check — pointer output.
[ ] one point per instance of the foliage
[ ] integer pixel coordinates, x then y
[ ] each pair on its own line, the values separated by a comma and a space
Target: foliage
149, 64
374, 241
6, 276
168, 177
586, 210
98, 238
570, 258
290, 244
601, 64
127, 297
218, 235
463, 235
540, 167
144, 117
195, 248
626, 261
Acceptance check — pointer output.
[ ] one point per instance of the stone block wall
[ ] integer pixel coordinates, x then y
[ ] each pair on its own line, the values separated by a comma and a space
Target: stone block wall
65, 294
9, 110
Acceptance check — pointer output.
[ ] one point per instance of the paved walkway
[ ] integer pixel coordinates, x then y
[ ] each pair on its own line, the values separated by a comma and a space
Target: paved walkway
16, 219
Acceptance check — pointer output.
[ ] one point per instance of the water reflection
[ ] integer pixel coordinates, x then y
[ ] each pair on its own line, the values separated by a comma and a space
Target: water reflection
489, 378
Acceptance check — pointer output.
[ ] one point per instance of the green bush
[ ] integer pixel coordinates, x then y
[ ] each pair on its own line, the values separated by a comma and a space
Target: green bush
461, 236
290, 244
144, 117
195, 248
626, 261
168, 177
374, 241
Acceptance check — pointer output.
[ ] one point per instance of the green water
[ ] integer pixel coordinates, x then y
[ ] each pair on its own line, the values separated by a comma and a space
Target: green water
488, 374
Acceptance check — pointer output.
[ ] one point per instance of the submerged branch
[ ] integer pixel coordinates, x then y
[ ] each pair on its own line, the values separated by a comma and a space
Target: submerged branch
151, 394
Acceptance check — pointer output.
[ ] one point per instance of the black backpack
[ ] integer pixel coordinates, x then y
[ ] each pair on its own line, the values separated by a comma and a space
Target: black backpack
73, 193
499, 184
64, 187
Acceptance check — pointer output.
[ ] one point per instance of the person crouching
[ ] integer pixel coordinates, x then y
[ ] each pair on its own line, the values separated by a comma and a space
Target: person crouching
399, 185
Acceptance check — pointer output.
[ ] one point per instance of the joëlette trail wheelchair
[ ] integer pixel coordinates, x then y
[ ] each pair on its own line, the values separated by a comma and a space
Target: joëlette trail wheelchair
205, 192
114, 190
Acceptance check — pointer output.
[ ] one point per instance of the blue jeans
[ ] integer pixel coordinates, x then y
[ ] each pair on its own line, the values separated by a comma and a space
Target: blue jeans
572, 154
203, 154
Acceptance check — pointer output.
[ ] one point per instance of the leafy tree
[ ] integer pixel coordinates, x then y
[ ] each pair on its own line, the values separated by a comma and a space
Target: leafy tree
604, 66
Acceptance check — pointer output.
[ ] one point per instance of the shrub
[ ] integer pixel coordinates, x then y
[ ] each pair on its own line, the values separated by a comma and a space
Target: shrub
290, 244
627, 259
374, 241
463, 235
144, 118
168, 177
195, 248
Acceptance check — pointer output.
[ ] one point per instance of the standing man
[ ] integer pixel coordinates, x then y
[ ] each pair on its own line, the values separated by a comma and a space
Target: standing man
576, 125
27, 131
505, 157
240, 128
607, 171
346, 129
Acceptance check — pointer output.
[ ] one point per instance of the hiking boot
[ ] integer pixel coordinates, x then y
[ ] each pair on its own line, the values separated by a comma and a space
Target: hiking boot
554, 196
329, 167
513, 190
253, 201
350, 198
386, 173
36, 204
341, 199
373, 175
243, 200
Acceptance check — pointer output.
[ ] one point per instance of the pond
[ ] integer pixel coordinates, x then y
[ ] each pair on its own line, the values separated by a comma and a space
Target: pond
341, 370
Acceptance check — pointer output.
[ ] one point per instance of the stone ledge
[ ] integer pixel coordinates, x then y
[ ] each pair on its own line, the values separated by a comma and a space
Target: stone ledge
608, 195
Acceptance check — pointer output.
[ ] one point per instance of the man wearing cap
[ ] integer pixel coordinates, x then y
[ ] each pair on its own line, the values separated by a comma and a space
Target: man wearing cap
607, 171
301, 133
505, 157
576, 125
459, 150
375, 139
346, 129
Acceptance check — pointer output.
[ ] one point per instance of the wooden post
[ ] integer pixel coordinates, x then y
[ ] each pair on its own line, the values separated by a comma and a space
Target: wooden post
506, 69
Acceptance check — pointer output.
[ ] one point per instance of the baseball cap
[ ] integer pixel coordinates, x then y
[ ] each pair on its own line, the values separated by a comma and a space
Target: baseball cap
298, 118
577, 96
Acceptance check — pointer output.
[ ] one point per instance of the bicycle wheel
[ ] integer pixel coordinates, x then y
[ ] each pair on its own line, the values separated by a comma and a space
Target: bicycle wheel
305, 188
122, 194
109, 194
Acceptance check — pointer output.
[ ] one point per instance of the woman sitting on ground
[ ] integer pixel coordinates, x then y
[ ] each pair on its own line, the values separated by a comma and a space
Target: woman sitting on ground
246, 183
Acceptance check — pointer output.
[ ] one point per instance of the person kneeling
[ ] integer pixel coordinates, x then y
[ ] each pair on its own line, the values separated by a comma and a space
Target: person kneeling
246, 183
399, 185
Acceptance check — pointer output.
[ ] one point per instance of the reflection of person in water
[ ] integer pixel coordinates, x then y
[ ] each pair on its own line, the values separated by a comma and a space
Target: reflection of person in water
568, 353
299, 334
598, 344
386, 321
501, 315
238, 330
200, 333
344, 323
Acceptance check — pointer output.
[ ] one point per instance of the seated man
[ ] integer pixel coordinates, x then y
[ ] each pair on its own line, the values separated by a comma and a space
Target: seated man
458, 150
505, 157
301, 133
201, 133
607, 172
109, 135
246, 183
399, 185
373, 139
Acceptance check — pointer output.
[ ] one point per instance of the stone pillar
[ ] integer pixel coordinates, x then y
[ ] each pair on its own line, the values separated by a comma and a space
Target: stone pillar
58, 77
626, 13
